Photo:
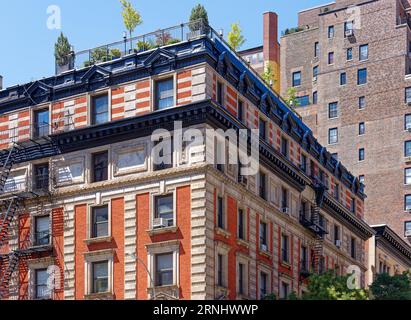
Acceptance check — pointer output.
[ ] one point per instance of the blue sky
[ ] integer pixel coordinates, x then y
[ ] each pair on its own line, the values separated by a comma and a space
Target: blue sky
27, 45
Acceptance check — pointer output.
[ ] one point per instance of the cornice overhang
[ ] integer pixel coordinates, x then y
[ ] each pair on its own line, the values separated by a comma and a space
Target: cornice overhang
401, 248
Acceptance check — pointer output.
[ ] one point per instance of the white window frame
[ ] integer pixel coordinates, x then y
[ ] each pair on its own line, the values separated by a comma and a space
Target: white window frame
90, 97
121, 150
90, 220
244, 260
98, 256
223, 250
90, 168
153, 195
154, 80
267, 271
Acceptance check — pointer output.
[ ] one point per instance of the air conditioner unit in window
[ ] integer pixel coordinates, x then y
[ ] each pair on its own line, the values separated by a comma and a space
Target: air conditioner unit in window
286, 210
349, 33
315, 79
160, 223
408, 233
263, 247
408, 127
407, 159
338, 243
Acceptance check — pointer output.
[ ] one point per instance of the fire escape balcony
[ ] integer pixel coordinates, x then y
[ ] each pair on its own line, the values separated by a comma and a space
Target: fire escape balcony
308, 223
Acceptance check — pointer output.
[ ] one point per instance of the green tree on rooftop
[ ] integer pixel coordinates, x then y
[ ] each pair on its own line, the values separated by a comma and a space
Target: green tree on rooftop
291, 97
235, 37
198, 13
62, 50
131, 18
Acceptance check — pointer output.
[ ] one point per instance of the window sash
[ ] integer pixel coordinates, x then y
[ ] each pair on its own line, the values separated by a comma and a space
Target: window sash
333, 110
241, 224
408, 202
333, 136
362, 76
296, 78
220, 212
164, 93
164, 208
263, 234
100, 220
363, 52
100, 109
100, 277
164, 269
100, 166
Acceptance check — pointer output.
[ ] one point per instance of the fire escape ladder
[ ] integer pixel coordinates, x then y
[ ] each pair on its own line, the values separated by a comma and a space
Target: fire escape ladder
12, 261
318, 248
6, 165
7, 218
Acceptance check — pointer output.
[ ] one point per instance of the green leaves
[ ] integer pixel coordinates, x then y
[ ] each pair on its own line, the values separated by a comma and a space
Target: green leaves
235, 38
131, 17
199, 12
386, 287
62, 50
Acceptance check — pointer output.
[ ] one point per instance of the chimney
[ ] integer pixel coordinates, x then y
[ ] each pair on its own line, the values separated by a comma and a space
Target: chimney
1, 83
272, 46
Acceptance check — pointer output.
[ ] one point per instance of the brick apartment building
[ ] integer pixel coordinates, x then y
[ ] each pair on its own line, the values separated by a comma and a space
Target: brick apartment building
350, 63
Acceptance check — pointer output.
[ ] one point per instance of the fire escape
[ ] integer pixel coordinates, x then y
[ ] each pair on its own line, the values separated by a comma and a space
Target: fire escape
12, 204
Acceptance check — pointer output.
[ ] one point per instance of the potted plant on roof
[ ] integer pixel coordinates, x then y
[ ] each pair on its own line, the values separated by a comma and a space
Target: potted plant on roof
198, 24
63, 54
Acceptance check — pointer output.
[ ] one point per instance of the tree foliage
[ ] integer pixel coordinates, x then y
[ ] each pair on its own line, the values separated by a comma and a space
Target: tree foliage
291, 97
235, 37
131, 17
329, 286
199, 13
268, 74
386, 287
62, 50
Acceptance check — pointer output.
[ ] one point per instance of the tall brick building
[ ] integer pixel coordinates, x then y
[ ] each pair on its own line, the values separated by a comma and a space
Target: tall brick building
349, 62
86, 212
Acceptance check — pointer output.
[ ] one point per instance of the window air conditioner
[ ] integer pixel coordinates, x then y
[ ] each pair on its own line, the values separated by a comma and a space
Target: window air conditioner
159, 223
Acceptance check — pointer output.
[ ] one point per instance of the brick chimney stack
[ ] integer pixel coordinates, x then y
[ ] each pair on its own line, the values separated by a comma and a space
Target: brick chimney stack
272, 46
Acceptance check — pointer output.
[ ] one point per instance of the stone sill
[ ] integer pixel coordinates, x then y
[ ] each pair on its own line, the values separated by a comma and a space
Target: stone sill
265, 253
243, 243
153, 232
98, 240
99, 296
223, 233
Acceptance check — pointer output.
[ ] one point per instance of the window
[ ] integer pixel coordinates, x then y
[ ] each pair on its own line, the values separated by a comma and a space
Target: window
315, 97
353, 207
220, 93
362, 76
284, 147
40, 283
348, 26
337, 192
303, 101
304, 258
284, 198
407, 175
353, 248
408, 202
407, 122
164, 269
164, 93
41, 123
41, 176
285, 288
99, 277
330, 32
316, 49
284, 248
361, 102
99, 222
321, 221
407, 148
315, 72
220, 270
408, 95
349, 54
330, 57
240, 110
364, 52
100, 166
99, 107
361, 154
42, 231
263, 284
343, 79
164, 209
333, 110
163, 157
333, 136
407, 227
220, 213
304, 163
263, 129
361, 179
296, 78
241, 224
361, 128
262, 185
336, 234
263, 236
241, 275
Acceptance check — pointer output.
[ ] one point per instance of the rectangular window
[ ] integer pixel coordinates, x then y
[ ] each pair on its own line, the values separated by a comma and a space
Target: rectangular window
408, 202
100, 166
42, 231
263, 284
349, 54
99, 107
315, 72
285, 288
353, 248
348, 27
263, 129
220, 213
364, 52
362, 76
408, 95
164, 269
336, 234
164, 209
315, 97
361, 128
240, 110
163, 158
304, 163
284, 198
241, 224
333, 136
333, 110
241, 278
407, 148
407, 227
296, 79
337, 192
361, 154
330, 57
99, 277
284, 147
263, 236
361, 102
407, 122
284, 249
330, 32
41, 177
99, 221
40, 280
353, 206
361, 179
304, 258
407, 175
303, 101
220, 270
220, 93
343, 79
41, 123
164, 93
316, 49
262, 182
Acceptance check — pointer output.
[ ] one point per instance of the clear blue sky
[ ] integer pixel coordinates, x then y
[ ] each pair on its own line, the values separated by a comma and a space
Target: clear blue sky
27, 45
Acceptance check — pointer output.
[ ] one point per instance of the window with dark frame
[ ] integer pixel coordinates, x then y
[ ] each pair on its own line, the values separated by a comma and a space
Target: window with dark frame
285, 287
361, 154
363, 51
330, 32
353, 206
263, 129
263, 284
99, 109
315, 72
361, 128
241, 224
336, 234
353, 248
41, 123
100, 166
164, 209
99, 277
165, 155
241, 278
240, 110
315, 97
407, 148
164, 269
262, 185
296, 81
343, 78
407, 202
284, 146
285, 249
361, 102
316, 49
220, 93
164, 93
42, 230
333, 136
407, 228
41, 176
408, 95
263, 236
362, 76
304, 258
220, 213
330, 57
220, 263
407, 175
99, 222
304, 163
41, 277
284, 198
407, 122
349, 54
332, 110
